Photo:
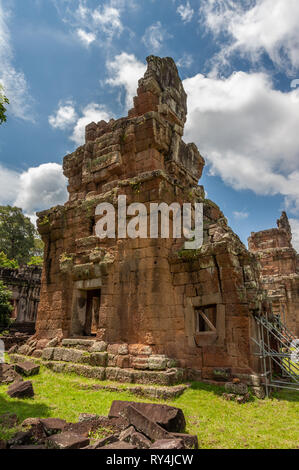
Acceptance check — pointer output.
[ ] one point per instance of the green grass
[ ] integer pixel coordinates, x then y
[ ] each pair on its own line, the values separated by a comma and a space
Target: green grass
259, 424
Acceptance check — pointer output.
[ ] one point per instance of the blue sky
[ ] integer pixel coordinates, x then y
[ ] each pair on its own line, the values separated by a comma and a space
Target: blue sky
64, 63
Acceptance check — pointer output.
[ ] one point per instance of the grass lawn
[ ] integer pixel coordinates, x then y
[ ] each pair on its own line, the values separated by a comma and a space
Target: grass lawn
260, 424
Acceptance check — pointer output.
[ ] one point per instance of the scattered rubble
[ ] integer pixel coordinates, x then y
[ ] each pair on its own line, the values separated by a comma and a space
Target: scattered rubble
126, 427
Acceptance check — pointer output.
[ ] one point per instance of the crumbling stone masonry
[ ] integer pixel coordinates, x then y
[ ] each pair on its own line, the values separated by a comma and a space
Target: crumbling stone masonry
24, 283
279, 270
154, 304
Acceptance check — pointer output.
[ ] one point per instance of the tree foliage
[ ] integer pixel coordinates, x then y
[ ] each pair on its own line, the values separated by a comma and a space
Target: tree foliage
7, 263
17, 234
3, 101
5, 306
36, 261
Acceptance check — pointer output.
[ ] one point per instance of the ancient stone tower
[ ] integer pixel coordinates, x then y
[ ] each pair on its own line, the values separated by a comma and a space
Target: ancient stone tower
155, 304
279, 270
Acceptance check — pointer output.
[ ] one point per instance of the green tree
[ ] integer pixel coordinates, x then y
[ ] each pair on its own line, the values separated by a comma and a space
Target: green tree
5, 306
7, 263
36, 261
3, 101
17, 234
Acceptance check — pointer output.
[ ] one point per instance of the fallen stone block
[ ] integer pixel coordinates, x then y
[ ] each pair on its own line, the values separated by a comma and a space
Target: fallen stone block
103, 442
87, 417
119, 445
168, 444
237, 388
67, 440
190, 441
21, 438
27, 368
139, 440
143, 424
259, 392
21, 390
169, 417
8, 374
53, 425
29, 447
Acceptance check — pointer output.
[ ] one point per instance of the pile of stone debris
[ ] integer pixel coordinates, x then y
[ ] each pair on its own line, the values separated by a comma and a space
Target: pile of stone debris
239, 391
13, 374
129, 425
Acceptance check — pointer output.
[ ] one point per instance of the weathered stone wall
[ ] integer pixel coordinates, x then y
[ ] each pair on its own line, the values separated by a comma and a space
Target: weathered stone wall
149, 290
24, 283
279, 270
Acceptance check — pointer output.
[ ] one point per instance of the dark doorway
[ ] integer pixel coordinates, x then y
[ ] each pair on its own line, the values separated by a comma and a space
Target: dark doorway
93, 302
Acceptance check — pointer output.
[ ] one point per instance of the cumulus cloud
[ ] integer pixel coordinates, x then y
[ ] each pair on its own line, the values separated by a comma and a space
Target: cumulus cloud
254, 27
85, 37
185, 12
102, 23
247, 131
125, 71
154, 37
33, 190
92, 112
9, 185
64, 117
108, 19
13, 80
185, 61
240, 215
295, 231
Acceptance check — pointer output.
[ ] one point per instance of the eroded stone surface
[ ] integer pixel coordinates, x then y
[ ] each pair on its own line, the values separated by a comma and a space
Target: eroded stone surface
279, 270
142, 297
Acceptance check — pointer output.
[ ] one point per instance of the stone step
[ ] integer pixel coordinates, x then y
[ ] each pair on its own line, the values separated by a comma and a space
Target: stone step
78, 343
168, 378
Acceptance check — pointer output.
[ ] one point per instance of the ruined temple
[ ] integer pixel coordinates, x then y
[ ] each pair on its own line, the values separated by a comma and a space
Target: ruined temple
151, 303
279, 270
24, 283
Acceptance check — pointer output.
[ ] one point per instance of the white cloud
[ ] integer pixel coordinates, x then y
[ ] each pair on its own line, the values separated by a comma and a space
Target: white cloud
185, 61
240, 215
295, 231
101, 23
154, 37
14, 81
36, 189
9, 185
185, 12
92, 112
125, 71
108, 19
85, 37
254, 27
247, 131
64, 117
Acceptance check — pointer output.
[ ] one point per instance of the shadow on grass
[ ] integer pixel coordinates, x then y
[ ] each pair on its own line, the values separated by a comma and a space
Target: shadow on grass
282, 394
285, 394
216, 389
26, 408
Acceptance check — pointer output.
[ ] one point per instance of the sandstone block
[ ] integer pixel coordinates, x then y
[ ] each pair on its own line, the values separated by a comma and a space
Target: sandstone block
21, 390
238, 389
67, 440
27, 368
